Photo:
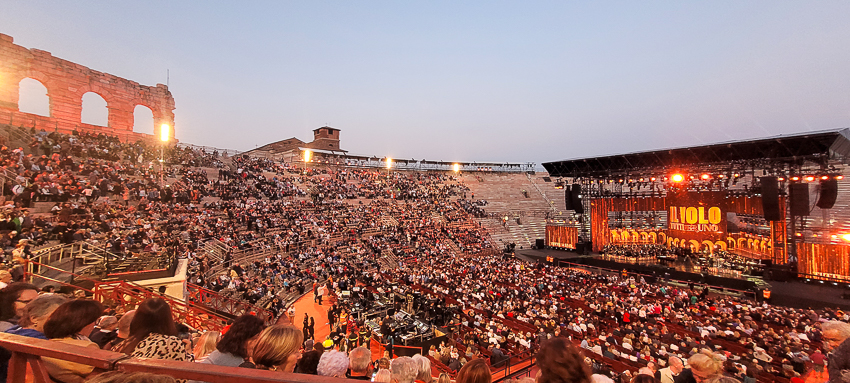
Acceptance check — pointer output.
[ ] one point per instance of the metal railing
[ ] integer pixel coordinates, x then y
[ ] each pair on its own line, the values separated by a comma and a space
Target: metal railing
129, 295
546, 198
28, 352
74, 250
198, 295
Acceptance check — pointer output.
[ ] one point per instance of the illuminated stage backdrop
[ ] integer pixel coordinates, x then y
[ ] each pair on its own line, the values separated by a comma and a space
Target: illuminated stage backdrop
695, 220
561, 236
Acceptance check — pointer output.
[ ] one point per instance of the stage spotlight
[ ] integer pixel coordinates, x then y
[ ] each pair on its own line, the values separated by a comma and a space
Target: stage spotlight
781, 179
846, 237
720, 176
736, 175
652, 179
824, 178
839, 177
810, 178
795, 178
677, 178
705, 176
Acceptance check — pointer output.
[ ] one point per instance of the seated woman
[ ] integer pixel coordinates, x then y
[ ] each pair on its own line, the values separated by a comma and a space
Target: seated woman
32, 323
153, 333
67, 325
559, 361
13, 299
278, 348
206, 344
232, 349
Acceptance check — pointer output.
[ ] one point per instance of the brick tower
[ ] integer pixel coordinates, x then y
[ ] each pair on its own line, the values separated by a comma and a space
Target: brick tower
326, 138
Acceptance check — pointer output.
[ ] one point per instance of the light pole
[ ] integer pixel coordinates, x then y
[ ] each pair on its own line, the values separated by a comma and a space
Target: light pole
307, 155
164, 132
389, 166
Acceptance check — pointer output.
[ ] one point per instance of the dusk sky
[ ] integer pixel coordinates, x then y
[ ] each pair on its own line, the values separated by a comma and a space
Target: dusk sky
520, 81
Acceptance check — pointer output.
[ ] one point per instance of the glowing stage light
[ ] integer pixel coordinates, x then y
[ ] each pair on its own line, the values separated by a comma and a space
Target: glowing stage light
839, 177
677, 177
846, 237
810, 178
824, 178
705, 176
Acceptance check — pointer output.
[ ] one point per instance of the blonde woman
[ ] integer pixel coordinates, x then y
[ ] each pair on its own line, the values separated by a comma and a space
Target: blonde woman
444, 378
703, 366
278, 348
206, 344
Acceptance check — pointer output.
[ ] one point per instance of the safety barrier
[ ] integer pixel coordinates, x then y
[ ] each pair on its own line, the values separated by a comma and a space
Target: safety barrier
27, 352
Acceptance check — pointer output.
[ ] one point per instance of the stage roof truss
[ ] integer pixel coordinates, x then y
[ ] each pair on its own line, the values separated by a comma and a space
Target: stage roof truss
795, 151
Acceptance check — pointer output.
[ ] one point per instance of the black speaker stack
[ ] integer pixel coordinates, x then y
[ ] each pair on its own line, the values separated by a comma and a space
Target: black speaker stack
568, 202
770, 198
828, 193
575, 199
799, 196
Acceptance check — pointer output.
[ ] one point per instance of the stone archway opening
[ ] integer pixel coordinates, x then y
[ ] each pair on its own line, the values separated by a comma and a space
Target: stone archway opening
33, 97
143, 121
94, 111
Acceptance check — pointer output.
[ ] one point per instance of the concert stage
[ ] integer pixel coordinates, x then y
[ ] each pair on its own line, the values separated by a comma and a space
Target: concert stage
738, 208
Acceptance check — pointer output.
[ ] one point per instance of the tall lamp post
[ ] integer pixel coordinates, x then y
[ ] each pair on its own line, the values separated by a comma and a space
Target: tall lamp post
389, 165
164, 132
307, 155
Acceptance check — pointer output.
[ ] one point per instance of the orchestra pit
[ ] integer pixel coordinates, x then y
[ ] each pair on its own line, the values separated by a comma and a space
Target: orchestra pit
132, 256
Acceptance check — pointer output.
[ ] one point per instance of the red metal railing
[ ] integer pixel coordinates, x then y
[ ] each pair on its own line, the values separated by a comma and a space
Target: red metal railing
29, 351
217, 302
128, 296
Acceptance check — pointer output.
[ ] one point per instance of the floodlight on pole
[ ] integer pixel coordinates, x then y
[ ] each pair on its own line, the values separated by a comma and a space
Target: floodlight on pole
164, 132
456, 167
389, 163
307, 155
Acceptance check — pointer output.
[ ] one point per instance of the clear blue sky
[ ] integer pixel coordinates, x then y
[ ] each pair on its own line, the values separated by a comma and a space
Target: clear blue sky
470, 81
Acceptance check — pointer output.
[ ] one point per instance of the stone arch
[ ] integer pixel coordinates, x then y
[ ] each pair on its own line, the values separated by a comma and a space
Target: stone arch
95, 109
143, 120
33, 97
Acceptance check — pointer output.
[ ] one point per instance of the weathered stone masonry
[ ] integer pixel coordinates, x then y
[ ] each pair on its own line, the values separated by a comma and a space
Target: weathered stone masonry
66, 83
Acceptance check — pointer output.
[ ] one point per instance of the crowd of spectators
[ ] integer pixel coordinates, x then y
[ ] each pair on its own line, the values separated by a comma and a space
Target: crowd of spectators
334, 226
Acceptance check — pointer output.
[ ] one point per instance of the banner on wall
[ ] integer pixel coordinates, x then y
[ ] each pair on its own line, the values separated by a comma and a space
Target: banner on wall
697, 216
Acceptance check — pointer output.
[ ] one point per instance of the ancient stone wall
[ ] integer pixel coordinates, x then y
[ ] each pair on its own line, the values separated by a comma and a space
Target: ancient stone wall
66, 83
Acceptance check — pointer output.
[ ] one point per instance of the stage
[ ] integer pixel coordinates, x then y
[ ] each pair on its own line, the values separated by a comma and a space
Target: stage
792, 293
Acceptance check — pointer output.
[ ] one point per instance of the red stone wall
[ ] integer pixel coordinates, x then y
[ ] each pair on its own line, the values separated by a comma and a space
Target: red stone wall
66, 82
